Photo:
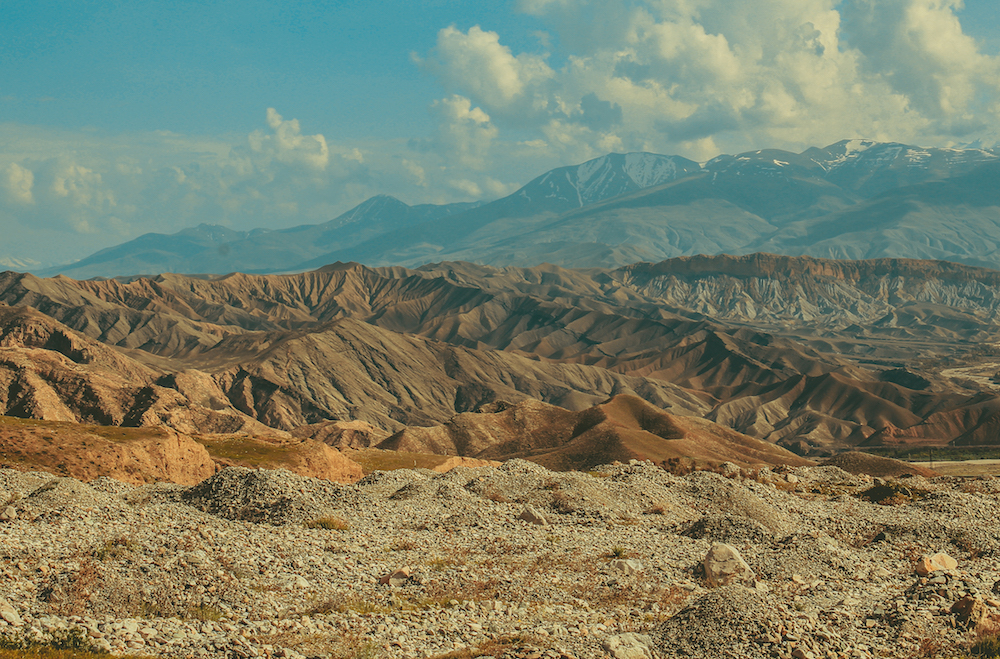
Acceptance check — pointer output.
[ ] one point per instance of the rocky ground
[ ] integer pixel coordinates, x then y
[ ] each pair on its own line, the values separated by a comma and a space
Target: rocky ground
627, 561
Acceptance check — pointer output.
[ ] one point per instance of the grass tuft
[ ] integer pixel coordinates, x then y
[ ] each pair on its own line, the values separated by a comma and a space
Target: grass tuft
329, 522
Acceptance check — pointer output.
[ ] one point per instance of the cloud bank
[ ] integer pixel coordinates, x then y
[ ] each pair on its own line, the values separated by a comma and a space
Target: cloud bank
689, 77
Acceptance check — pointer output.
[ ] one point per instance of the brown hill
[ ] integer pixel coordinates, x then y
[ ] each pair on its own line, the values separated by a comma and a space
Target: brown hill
856, 462
620, 429
395, 347
148, 455
86, 452
48, 371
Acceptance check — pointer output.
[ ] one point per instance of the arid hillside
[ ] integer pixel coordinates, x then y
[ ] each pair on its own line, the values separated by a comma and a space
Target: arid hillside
809, 354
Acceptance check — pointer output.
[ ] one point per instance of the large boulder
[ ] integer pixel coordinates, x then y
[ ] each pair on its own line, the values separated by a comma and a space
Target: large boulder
725, 566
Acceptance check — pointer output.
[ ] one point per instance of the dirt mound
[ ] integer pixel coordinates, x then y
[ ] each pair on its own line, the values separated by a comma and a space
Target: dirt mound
858, 462
342, 434
263, 496
131, 455
729, 528
722, 623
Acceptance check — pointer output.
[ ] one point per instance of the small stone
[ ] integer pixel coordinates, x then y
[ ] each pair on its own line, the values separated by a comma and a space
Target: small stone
627, 565
972, 612
532, 516
629, 646
937, 562
396, 577
9, 514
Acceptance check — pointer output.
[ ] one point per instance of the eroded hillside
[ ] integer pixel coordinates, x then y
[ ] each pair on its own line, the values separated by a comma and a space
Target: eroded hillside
813, 355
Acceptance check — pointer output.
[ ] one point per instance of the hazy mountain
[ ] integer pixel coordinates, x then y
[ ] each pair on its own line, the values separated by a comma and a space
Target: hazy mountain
957, 219
854, 199
215, 249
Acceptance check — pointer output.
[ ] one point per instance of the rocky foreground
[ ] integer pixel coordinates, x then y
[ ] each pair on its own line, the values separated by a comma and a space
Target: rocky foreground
627, 561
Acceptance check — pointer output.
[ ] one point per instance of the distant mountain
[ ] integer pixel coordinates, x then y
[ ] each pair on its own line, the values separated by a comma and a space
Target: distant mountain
852, 199
215, 249
18, 264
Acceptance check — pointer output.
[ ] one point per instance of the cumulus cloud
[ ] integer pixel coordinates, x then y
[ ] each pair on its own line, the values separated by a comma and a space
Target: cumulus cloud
475, 63
18, 182
688, 76
288, 145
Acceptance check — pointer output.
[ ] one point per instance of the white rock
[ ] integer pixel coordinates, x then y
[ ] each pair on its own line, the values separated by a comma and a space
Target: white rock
8, 613
724, 566
627, 565
531, 515
629, 646
9, 514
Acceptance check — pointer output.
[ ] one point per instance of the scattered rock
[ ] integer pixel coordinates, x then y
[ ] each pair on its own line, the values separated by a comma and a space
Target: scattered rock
532, 516
629, 646
940, 561
725, 566
9, 514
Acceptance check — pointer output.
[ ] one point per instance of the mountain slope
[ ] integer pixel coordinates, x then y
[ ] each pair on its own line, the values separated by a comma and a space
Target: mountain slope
622, 428
811, 354
623, 208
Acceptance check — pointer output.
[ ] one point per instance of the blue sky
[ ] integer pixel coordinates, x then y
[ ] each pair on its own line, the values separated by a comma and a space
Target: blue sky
118, 118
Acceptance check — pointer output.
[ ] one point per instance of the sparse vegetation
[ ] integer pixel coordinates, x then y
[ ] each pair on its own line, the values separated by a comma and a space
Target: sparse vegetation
114, 548
329, 523
496, 495
60, 644
892, 493
618, 552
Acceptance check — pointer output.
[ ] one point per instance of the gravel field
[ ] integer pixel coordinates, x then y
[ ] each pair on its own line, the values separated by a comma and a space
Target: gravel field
514, 561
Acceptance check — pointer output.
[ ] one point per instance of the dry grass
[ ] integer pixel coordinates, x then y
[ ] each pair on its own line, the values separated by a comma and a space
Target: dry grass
495, 495
329, 522
378, 460
497, 647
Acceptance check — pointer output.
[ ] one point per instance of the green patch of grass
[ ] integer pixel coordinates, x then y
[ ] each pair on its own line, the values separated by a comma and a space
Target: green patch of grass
246, 451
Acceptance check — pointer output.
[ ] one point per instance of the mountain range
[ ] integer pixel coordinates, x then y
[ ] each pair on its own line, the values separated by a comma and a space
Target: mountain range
813, 355
854, 199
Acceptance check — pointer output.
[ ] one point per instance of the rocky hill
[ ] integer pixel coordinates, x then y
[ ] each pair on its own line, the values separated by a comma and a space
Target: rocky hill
513, 562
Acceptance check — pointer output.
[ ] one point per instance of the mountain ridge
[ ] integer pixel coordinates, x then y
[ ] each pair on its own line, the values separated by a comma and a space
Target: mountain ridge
622, 208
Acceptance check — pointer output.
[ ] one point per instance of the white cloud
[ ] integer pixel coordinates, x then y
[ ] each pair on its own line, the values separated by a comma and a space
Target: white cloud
464, 136
17, 183
288, 144
691, 77
476, 64
686, 75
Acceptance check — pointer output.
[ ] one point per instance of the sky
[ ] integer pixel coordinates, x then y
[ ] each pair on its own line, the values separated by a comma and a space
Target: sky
118, 118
